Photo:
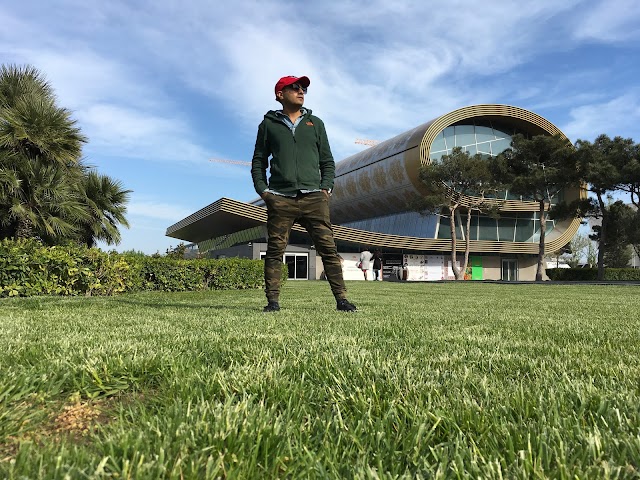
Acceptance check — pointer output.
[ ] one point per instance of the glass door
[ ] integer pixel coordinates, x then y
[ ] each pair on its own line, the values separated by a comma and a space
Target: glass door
509, 269
297, 264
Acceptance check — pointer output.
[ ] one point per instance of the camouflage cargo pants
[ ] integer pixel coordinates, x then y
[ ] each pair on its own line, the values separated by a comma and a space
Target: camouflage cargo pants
311, 210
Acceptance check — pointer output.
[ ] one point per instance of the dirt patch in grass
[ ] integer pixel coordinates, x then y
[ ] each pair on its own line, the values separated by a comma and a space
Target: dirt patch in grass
8, 449
78, 419
72, 421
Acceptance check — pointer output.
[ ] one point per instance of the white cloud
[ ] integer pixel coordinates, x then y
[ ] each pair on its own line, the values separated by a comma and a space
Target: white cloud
617, 117
609, 21
132, 133
376, 71
157, 210
83, 77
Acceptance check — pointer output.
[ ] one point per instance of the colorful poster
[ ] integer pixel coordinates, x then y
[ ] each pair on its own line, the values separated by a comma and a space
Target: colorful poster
424, 267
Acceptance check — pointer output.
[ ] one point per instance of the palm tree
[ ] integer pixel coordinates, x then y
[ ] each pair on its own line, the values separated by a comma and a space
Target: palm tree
45, 205
41, 150
45, 190
8, 179
31, 124
105, 201
9, 183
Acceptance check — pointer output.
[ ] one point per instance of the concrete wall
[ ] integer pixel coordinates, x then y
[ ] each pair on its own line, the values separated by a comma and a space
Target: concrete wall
527, 267
491, 268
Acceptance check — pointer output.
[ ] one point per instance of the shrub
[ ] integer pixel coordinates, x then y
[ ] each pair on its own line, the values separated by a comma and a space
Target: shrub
235, 273
591, 274
572, 274
29, 268
622, 274
170, 275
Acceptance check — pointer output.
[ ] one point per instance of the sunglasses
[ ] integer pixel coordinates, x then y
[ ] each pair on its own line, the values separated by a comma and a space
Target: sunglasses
296, 87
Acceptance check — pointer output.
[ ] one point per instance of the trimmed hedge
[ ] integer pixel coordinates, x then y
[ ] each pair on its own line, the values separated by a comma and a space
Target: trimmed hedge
591, 274
170, 275
29, 268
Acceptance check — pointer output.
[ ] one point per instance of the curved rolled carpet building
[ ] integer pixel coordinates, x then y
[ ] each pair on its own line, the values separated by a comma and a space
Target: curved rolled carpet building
370, 201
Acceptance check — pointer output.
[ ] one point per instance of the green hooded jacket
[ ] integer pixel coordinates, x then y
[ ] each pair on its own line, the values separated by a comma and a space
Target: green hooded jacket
298, 162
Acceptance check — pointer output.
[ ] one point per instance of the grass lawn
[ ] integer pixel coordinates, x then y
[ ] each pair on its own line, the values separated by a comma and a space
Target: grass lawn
427, 380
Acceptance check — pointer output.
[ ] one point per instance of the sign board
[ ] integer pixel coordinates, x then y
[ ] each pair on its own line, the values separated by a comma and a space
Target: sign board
424, 267
349, 269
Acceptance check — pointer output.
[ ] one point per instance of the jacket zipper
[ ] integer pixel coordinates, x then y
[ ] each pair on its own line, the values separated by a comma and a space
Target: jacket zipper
295, 157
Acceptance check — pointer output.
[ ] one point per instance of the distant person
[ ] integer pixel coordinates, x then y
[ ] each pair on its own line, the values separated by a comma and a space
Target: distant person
301, 177
365, 262
378, 263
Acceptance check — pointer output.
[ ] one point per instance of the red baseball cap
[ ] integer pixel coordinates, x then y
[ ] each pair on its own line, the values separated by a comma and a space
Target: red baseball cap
284, 81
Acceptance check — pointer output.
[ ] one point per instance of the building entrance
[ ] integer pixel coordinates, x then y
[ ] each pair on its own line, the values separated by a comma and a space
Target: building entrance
509, 269
297, 265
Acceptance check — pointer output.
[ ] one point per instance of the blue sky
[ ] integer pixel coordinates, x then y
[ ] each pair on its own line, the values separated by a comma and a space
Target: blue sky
159, 87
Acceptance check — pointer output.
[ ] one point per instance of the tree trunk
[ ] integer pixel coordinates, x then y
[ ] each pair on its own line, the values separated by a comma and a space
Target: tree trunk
543, 232
454, 258
467, 243
24, 229
601, 244
635, 197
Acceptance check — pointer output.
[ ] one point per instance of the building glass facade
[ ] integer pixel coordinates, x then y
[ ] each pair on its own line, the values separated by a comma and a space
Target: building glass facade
510, 227
411, 224
487, 137
483, 136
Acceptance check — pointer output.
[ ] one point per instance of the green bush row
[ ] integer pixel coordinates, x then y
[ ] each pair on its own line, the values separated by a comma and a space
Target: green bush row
591, 274
28, 268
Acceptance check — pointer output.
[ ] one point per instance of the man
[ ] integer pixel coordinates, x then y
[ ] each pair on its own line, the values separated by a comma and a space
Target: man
301, 178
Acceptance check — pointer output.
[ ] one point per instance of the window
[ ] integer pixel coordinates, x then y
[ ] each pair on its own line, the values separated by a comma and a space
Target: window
297, 264
487, 229
506, 229
484, 134
484, 137
471, 149
465, 135
438, 143
485, 148
524, 228
444, 230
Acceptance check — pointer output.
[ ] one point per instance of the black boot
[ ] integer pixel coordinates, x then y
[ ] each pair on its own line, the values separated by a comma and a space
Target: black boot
272, 307
345, 306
